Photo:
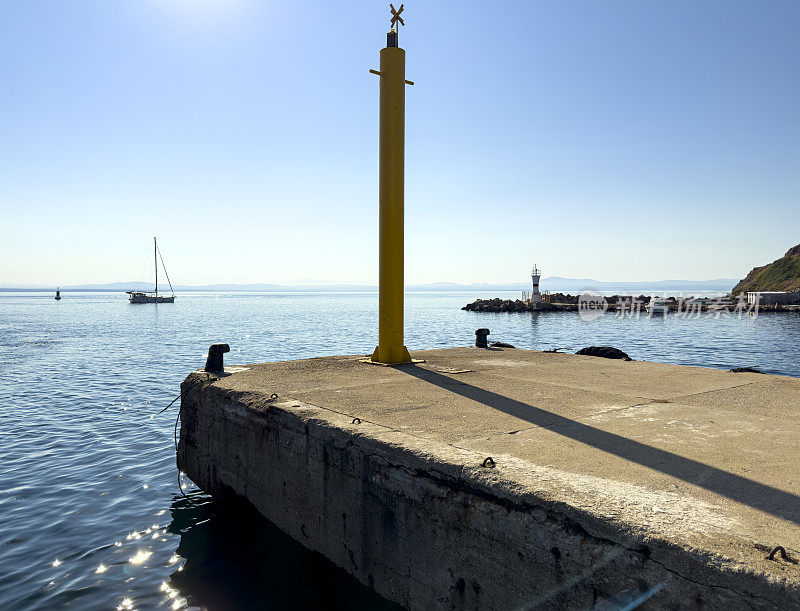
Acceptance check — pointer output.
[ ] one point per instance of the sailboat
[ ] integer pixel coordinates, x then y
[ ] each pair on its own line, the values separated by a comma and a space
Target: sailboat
58, 294
154, 297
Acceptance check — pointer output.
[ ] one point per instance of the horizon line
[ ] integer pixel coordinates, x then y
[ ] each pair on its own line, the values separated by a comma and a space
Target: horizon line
267, 286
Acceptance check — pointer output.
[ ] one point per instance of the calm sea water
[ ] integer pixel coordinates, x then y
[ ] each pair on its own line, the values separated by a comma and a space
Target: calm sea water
91, 515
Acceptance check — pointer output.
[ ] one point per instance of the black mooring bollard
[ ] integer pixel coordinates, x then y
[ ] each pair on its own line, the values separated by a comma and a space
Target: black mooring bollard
480, 338
214, 362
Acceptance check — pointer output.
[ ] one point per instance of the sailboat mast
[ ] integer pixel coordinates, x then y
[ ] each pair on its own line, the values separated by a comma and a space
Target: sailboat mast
155, 261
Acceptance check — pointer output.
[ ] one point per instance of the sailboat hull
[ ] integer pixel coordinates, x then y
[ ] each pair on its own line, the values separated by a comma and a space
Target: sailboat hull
151, 299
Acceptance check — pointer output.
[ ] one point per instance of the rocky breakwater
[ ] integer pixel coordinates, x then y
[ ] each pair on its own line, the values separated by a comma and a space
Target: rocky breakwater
509, 305
631, 306
557, 302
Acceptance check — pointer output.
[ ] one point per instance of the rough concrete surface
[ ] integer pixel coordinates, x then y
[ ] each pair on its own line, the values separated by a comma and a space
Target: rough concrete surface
614, 483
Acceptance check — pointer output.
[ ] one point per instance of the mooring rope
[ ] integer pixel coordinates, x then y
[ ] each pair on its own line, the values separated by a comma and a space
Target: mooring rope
180, 395
175, 428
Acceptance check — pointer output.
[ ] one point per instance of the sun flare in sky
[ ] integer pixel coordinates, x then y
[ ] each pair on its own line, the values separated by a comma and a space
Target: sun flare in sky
199, 16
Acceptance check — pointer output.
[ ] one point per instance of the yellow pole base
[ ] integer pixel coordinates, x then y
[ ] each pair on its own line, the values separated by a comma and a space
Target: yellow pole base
391, 355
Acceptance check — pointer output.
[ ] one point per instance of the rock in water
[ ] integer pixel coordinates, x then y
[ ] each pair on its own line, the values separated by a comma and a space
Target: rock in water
607, 352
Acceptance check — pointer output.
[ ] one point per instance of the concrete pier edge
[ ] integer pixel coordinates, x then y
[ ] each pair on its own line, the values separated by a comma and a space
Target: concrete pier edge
513, 536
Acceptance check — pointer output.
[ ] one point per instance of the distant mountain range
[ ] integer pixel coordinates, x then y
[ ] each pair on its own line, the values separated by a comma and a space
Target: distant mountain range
552, 284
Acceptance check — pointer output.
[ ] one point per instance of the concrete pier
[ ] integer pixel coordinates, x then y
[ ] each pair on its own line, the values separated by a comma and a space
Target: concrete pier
513, 479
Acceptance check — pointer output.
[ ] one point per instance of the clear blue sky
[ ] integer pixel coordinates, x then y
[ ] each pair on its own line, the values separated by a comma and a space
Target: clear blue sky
618, 140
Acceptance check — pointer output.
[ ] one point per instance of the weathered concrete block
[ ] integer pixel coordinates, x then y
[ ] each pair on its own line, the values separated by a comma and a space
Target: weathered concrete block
421, 521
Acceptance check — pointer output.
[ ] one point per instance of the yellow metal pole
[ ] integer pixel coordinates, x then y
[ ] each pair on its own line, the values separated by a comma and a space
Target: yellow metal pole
391, 173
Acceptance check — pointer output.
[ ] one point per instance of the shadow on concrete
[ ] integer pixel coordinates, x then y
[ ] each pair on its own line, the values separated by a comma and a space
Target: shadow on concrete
768, 499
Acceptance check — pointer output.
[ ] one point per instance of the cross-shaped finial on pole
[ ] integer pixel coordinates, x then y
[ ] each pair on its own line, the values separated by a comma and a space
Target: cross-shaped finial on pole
396, 18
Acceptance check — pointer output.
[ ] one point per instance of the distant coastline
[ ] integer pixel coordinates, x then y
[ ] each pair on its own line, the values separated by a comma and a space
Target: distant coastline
553, 284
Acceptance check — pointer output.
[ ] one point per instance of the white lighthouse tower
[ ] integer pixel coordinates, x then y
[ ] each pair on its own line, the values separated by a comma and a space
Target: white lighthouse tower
536, 273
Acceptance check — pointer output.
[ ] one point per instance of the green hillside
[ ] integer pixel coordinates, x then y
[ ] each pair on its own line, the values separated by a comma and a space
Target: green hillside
780, 275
